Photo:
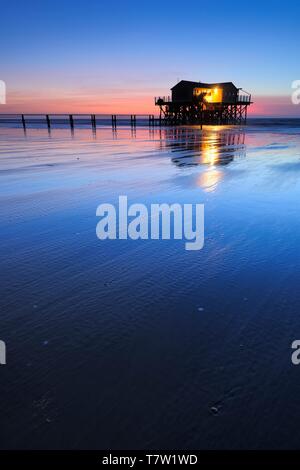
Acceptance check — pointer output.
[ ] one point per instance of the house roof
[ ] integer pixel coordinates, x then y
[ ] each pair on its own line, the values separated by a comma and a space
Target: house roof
202, 85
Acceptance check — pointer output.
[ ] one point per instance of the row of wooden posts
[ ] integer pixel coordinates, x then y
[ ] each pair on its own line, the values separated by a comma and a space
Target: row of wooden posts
151, 119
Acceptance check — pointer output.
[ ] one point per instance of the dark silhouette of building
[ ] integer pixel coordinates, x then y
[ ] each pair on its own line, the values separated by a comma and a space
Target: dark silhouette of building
204, 103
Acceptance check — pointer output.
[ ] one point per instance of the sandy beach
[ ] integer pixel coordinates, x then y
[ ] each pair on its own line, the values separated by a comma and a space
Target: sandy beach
141, 344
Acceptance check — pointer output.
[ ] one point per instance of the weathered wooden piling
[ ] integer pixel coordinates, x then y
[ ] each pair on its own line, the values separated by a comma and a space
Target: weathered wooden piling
133, 119
23, 122
71, 121
151, 119
48, 121
93, 120
114, 120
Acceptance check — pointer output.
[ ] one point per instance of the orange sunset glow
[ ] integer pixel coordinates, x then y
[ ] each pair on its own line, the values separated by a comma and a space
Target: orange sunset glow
108, 101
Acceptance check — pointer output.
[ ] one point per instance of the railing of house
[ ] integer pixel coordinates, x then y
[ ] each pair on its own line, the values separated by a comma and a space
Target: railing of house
165, 99
243, 98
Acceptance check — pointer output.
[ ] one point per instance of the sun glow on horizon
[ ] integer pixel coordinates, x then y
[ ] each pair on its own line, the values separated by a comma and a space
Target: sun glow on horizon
126, 101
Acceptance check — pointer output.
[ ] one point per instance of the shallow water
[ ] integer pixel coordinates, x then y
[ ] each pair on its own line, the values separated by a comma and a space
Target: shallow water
142, 344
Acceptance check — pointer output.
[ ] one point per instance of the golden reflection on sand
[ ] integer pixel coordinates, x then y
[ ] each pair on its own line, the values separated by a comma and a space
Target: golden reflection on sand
209, 179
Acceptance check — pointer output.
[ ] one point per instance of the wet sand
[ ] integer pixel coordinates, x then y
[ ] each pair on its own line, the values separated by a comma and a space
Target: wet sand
142, 344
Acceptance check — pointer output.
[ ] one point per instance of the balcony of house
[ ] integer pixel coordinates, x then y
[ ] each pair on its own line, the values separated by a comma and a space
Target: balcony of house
161, 100
243, 97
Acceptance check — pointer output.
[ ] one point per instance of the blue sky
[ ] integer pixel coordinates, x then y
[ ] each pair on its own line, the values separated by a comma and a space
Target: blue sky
107, 53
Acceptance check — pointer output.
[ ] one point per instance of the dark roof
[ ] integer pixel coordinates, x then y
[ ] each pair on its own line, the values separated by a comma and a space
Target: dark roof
201, 84
185, 82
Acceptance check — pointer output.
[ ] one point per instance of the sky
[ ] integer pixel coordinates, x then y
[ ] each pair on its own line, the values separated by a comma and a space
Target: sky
115, 56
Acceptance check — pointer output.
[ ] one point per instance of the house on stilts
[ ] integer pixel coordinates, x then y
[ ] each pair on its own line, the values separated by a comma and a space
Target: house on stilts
204, 103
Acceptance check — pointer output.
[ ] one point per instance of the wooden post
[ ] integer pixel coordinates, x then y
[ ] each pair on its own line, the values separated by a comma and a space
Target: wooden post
71, 121
93, 119
23, 122
48, 121
201, 116
114, 120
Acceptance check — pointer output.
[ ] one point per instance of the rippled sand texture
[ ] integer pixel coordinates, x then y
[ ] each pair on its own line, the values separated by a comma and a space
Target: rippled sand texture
141, 344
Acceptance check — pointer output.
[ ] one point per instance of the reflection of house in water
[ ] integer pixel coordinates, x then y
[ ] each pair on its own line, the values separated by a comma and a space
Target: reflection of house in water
210, 147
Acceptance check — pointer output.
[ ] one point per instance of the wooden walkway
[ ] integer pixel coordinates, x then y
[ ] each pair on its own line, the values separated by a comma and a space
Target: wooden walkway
81, 120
